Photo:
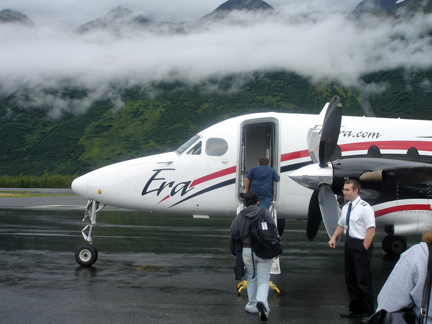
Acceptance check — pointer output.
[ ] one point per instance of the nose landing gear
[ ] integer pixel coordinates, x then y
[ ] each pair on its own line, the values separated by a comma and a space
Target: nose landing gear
86, 254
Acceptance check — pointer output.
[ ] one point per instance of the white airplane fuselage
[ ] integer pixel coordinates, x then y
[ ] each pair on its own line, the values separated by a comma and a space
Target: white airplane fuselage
208, 176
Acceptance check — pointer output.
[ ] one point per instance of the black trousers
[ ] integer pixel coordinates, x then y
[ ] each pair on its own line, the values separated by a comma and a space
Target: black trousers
358, 277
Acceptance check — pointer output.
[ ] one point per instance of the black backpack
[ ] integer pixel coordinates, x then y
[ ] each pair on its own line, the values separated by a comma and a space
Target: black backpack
265, 238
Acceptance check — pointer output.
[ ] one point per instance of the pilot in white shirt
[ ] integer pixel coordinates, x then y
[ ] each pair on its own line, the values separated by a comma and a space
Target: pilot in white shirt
357, 220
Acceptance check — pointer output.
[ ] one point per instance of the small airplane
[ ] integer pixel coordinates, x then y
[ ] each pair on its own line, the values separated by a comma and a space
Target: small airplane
314, 155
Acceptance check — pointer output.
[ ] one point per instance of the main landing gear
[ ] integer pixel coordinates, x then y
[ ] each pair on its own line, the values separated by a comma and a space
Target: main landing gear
394, 245
86, 254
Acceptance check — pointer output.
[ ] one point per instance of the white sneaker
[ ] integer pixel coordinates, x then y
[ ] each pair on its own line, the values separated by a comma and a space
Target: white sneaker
262, 311
252, 310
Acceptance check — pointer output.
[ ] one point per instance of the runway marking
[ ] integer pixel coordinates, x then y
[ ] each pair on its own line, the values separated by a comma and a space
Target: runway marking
56, 206
153, 267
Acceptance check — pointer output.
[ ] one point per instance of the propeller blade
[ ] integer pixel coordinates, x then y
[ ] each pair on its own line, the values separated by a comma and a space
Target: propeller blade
329, 207
330, 131
314, 217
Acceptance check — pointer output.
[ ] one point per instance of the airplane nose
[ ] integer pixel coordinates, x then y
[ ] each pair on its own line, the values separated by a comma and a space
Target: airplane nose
80, 186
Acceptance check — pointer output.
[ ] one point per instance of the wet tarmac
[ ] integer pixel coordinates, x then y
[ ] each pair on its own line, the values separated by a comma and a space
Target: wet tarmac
156, 268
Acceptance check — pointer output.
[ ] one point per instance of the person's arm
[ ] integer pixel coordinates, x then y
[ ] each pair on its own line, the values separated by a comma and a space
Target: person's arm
246, 184
370, 233
276, 177
338, 232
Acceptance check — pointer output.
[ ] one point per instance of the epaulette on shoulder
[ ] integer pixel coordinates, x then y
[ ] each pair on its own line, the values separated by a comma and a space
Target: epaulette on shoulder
364, 203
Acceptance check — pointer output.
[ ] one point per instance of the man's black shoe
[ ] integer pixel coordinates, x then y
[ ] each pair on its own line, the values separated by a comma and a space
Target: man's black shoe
351, 314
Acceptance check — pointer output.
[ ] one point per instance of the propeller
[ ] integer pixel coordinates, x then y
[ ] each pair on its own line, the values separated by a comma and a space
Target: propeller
323, 204
322, 176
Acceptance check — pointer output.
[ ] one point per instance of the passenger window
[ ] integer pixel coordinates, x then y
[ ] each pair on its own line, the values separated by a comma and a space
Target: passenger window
216, 146
196, 150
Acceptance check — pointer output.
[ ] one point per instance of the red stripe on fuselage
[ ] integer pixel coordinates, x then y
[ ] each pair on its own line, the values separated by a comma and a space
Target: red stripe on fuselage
294, 155
163, 199
383, 145
212, 176
395, 209
387, 145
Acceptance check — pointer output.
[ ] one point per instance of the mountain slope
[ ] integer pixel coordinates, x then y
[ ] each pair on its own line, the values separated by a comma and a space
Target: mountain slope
244, 5
392, 5
36, 144
115, 20
12, 16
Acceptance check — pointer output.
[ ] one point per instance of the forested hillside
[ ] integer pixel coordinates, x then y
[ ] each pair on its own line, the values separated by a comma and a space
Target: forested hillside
162, 118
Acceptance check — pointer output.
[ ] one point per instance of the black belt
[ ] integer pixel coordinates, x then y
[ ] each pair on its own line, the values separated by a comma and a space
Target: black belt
349, 238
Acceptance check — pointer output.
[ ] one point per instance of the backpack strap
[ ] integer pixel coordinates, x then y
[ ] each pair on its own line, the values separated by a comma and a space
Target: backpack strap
426, 290
262, 214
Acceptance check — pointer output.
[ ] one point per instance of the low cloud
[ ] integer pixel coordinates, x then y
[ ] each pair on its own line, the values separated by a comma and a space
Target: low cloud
425, 85
317, 45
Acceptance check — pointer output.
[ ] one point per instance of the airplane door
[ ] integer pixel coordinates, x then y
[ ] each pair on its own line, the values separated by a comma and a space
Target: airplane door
259, 137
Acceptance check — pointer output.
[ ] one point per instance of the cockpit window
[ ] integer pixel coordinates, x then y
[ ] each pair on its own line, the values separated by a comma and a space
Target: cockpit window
196, 150
216, 146
183, 148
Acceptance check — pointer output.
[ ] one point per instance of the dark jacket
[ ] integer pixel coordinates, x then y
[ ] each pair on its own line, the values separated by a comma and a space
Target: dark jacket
236, 247
240, 234
241, 224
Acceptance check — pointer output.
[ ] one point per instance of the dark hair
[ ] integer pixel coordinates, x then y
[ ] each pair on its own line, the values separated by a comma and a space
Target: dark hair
355, 184
263, 160
250, 198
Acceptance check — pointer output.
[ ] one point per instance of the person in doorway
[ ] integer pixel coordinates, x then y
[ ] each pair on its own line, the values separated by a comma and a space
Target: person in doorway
257, 269
358, 221
260, 180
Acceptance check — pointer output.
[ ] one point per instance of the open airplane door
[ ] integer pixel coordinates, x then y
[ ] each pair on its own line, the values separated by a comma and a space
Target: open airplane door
259, 137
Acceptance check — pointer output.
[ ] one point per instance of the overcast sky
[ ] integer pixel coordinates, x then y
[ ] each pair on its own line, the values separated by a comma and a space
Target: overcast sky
330, 46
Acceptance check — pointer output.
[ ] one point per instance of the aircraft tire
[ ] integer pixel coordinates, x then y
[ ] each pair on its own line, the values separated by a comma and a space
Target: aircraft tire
86, 255
384, 243
394, 245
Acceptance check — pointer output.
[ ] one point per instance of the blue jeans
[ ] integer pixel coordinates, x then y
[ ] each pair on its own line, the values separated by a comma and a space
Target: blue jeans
258, 287
264, 202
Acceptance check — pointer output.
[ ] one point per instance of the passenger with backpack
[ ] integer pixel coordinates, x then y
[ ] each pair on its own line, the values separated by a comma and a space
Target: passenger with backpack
257, 268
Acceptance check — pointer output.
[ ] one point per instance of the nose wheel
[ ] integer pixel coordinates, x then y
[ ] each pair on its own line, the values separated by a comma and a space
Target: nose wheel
86, 255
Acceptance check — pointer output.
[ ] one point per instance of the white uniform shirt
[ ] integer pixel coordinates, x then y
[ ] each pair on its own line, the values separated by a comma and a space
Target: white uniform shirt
362, 217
